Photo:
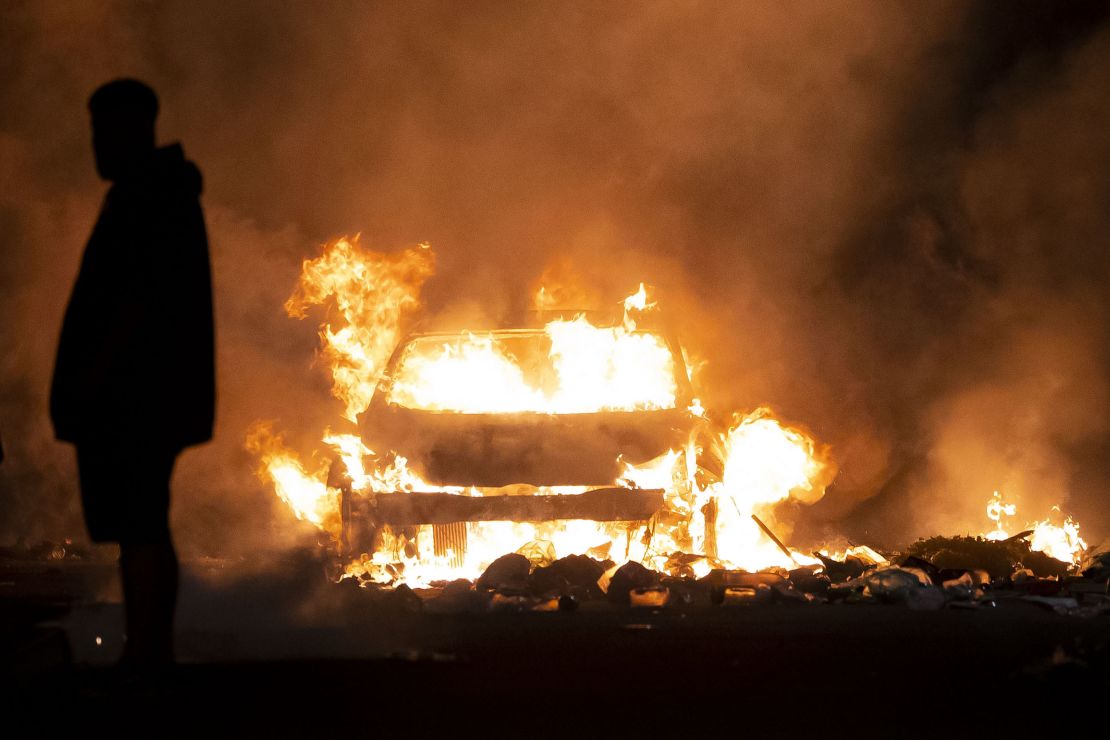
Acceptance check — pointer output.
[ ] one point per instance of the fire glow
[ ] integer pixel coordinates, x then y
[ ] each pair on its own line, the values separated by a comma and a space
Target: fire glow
1056, 536
708, 518
597, 368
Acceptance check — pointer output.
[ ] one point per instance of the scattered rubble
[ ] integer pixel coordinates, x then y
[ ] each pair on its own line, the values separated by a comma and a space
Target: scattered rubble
508, 572
575, 575
937, 573
51, 550
1000, 558
626, 578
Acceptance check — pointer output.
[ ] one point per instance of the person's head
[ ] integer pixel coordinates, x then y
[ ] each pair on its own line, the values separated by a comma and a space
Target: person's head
123, 113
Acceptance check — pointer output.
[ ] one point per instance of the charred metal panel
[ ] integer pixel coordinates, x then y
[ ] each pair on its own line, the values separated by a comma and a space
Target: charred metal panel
492, 450
607, 504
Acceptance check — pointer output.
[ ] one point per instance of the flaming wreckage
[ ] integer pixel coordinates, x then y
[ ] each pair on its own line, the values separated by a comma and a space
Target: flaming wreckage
525, 457
574, 442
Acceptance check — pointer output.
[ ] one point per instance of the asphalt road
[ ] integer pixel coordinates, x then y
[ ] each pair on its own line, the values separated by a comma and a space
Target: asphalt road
282, 651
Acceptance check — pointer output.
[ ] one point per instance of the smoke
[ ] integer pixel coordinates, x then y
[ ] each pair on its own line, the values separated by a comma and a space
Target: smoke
886, 220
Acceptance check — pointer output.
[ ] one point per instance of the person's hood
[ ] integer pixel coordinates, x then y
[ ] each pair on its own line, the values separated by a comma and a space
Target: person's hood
167, 169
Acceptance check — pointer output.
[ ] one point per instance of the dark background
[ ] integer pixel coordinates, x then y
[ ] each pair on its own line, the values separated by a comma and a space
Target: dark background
888, 220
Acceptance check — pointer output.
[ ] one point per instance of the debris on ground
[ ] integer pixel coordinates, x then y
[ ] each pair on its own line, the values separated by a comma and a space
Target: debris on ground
1000, 558
507, 572
934, 573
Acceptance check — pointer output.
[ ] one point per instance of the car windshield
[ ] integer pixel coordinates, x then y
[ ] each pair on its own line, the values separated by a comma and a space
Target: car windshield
564, 368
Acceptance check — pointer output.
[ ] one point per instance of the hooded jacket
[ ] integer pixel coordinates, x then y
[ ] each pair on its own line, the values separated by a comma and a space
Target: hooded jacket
136, 359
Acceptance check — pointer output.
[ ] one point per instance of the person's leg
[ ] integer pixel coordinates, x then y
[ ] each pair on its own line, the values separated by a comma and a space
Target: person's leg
150, 579
148, 563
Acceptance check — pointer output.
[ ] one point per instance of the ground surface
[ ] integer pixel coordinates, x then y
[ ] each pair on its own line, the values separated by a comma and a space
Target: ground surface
280, 650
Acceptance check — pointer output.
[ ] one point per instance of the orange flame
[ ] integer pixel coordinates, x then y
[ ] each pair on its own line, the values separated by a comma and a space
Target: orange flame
372, 291
1056, 536
595, 369
765, 463
305, 491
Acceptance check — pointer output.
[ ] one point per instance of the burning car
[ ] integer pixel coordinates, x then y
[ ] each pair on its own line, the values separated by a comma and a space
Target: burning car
523, 424
567, 434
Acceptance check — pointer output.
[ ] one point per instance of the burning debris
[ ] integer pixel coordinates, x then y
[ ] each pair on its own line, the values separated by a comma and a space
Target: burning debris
569, 460
1057, 536
513, 582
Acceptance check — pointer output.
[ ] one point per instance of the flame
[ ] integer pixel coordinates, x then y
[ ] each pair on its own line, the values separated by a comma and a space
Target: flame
765, 463
1056, 536
582, 368
306, 492
372, 292
352, 452
1061, 541
472, 376
996, 510
594, 368
394, 563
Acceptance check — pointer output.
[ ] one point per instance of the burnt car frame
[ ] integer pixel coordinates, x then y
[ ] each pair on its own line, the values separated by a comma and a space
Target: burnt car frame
512, 460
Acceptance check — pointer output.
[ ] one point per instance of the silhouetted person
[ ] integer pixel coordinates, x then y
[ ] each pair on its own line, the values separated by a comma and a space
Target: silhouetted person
134, 382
